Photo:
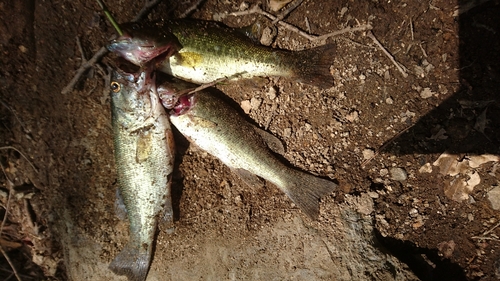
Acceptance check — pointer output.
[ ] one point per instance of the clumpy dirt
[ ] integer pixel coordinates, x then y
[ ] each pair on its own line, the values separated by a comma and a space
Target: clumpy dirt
376, 131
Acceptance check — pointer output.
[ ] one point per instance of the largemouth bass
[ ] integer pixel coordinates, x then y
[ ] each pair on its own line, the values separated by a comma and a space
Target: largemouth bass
144, 156
216, 127
210, 51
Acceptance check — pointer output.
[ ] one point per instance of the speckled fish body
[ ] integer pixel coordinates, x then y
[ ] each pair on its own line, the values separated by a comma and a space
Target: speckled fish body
144, 156
210, 51
216, 127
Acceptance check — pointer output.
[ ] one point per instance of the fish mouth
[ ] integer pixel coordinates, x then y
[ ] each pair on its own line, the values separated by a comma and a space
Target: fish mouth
140, 52
183, 105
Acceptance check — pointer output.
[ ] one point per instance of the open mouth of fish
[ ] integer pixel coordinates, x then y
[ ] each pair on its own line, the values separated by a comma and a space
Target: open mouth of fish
183, 104
139, 52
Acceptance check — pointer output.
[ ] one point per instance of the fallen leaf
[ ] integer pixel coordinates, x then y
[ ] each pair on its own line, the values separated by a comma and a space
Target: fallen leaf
276, 5
449, 165
478, 160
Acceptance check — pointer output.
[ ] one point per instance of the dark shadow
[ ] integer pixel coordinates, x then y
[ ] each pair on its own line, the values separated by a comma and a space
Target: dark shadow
470, 118
425, 263
181, 146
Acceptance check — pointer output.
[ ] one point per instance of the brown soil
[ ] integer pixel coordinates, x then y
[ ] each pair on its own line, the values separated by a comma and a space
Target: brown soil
225, 230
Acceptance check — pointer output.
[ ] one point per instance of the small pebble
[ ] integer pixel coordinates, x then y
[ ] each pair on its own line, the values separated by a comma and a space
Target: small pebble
255, 103
244, 6
23, 49
389, 101
353, 116
398, 174
246, 106
373, 194
271, 94
426, 168
413, 213
384, 172
368, 154
287, 132
387, 75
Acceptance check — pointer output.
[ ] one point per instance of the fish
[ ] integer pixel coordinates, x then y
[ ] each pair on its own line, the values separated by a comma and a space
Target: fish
210, 50
144, 154
212, 124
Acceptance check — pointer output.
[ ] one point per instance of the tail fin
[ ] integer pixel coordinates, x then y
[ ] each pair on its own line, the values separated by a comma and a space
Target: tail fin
132, 262
306, 190
312, 66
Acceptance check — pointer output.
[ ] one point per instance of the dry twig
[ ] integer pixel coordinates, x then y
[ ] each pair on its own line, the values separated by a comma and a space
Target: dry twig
15, 115
387, 143
10, 186
189, 10
257, 10
18, 151
288, 10
398, 66
484, 237
103, 51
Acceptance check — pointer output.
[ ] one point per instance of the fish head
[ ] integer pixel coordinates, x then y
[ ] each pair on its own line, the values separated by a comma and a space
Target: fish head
130, 96
141, 43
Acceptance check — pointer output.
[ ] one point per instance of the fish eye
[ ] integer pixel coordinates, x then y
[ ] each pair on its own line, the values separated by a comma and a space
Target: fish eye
115, 87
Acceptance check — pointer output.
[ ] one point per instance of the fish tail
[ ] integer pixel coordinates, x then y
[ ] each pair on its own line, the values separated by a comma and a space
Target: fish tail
306, 190
132, 262
312, 66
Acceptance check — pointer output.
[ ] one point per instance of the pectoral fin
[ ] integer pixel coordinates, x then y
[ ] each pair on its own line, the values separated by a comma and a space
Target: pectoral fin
271, 141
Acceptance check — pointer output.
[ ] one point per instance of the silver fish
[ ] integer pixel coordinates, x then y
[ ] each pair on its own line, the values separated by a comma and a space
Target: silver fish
216, 127
144, 156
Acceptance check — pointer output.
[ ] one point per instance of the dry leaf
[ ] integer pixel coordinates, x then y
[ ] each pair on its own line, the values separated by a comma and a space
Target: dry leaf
276, 5
478, 160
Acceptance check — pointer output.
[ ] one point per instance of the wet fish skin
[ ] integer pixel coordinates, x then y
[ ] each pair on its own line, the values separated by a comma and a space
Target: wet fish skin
144, 157
210, 51
216, 127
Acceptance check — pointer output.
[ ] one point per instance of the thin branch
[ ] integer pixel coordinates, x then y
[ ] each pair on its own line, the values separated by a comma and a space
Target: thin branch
398, 66
387, 143
292, 6
15, 115
11, 189
10, 263
485, 238
146, 9
189, 10
18, 151
83, 68
7, 207
257, 10
491, 229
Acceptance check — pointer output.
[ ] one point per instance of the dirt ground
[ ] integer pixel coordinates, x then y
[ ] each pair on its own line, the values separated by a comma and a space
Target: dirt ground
378, 132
